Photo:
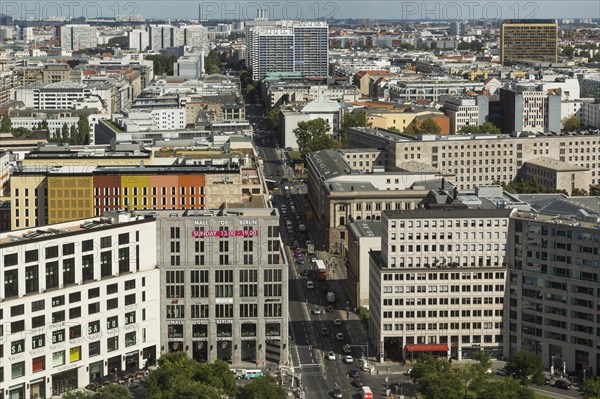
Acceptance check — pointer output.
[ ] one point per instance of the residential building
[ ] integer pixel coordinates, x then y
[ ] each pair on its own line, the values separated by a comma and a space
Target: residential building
80, 302
78, 37
590, 114
65, 95
438, 283
528, 40
427, 89
224, 291
553, 264
364, 236
480, 159
352, 185
462, 112
288, 46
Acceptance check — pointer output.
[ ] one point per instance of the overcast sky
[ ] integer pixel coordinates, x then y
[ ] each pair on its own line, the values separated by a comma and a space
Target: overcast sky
307, 9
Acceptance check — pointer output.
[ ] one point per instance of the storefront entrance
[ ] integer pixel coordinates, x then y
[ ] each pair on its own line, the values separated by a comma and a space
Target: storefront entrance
37, 388
64, 382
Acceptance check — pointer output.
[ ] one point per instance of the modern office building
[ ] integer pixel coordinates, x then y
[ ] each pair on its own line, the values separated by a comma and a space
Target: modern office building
80, 301
554, 283
438, 283
48, 195
530, 110
288, 46
480, 159
528, 40
224, 285
462, 112
78, 37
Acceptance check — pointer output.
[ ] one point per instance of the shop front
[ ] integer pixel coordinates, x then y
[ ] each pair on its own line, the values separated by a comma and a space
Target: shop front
37, 388
64, 382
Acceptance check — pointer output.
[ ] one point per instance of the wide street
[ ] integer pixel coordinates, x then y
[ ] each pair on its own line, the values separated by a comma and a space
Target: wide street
313, 336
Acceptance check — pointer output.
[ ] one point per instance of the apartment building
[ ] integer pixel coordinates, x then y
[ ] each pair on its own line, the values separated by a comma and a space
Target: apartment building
480, 159
224, 285
528, 40
438, 283
553, 266
288, 46
462, 112
349, 185
427, 89
65, 95
79, 302
531, 111
78, 37
47, 195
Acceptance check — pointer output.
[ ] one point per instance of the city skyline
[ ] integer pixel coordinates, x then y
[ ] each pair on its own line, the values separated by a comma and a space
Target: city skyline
246, 10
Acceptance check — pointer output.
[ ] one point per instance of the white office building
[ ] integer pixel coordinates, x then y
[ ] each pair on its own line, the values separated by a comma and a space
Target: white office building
80, 301
462, 112
438, 284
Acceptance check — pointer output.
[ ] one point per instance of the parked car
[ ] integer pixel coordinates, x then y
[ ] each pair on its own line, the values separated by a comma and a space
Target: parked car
562, 384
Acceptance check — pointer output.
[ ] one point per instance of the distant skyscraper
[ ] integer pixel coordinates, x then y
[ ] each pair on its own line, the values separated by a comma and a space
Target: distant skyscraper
529, 40
77, 37
287, 46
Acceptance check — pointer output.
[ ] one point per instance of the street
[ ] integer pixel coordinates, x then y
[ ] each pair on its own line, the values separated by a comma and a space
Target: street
313, 336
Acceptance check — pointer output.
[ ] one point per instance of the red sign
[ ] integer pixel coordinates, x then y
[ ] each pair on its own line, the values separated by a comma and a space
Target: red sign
224, 233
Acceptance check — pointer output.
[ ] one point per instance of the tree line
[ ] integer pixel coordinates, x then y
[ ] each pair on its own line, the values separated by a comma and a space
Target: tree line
76, 135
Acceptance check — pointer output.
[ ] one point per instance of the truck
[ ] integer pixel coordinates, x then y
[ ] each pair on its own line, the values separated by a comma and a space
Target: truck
331, 297
301, 227
365, 393
310, 248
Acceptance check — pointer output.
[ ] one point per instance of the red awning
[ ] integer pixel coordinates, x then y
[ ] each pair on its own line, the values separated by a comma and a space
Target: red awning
427, 348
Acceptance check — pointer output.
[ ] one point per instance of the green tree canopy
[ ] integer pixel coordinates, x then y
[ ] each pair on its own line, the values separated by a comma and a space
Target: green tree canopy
5, 124
429, 126
163, 65
78, 395
272, 119
212, 62
264, 387
591, 389
527, 367
314, 135
352, 119
114, 391
83, 130
504, 388
567, 51
486, 128
571, 123
117, 41
436, 378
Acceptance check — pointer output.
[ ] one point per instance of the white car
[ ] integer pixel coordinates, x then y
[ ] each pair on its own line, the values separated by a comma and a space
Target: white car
348, 359
313, 260
316, 310
331, 355
337, 322
339, 336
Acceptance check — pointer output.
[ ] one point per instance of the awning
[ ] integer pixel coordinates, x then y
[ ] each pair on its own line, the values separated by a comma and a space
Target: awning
427, 348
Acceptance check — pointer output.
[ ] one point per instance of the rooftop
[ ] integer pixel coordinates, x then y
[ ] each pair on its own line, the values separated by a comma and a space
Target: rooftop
556, 165
210, 213
366, 228
442, 213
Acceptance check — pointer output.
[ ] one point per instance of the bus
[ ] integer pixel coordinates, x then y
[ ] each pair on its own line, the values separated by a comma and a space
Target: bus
272, 185
251, 374
321, 270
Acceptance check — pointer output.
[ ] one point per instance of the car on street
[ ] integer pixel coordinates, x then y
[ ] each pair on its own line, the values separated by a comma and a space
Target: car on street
357, 382
353, 373
313, 260
337, 393
339, 336
316, 310
300, 261
325, 332
337, 322
408, 372
330, 355
304, 272
501, 372
562, 384
330, 309
348, 359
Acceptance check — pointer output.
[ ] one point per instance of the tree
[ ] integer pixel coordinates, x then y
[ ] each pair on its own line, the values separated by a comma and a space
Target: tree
117, 41
56, 136
175, 370
571, 123
44, 124
264, 387
429, 126
64, 138
483, 358
163, 65
527, 367
114, 391
78, 395
591, 389
486, 128
436, 379
20, 131
212, 62
579, 192
83, 128
272, 119
314, 135
73, 139
353, 119
462, 46
568, 51
5, 124
505, 388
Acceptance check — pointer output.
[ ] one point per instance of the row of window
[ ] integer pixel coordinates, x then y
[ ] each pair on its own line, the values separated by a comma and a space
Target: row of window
106, 191
448, 223
443, 276
422, 314
399, 289
202, 311
487, 300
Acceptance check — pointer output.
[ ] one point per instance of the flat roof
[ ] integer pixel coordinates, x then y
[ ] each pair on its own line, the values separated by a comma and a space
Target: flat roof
449, 212
366, 228
556, 165
211, 213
